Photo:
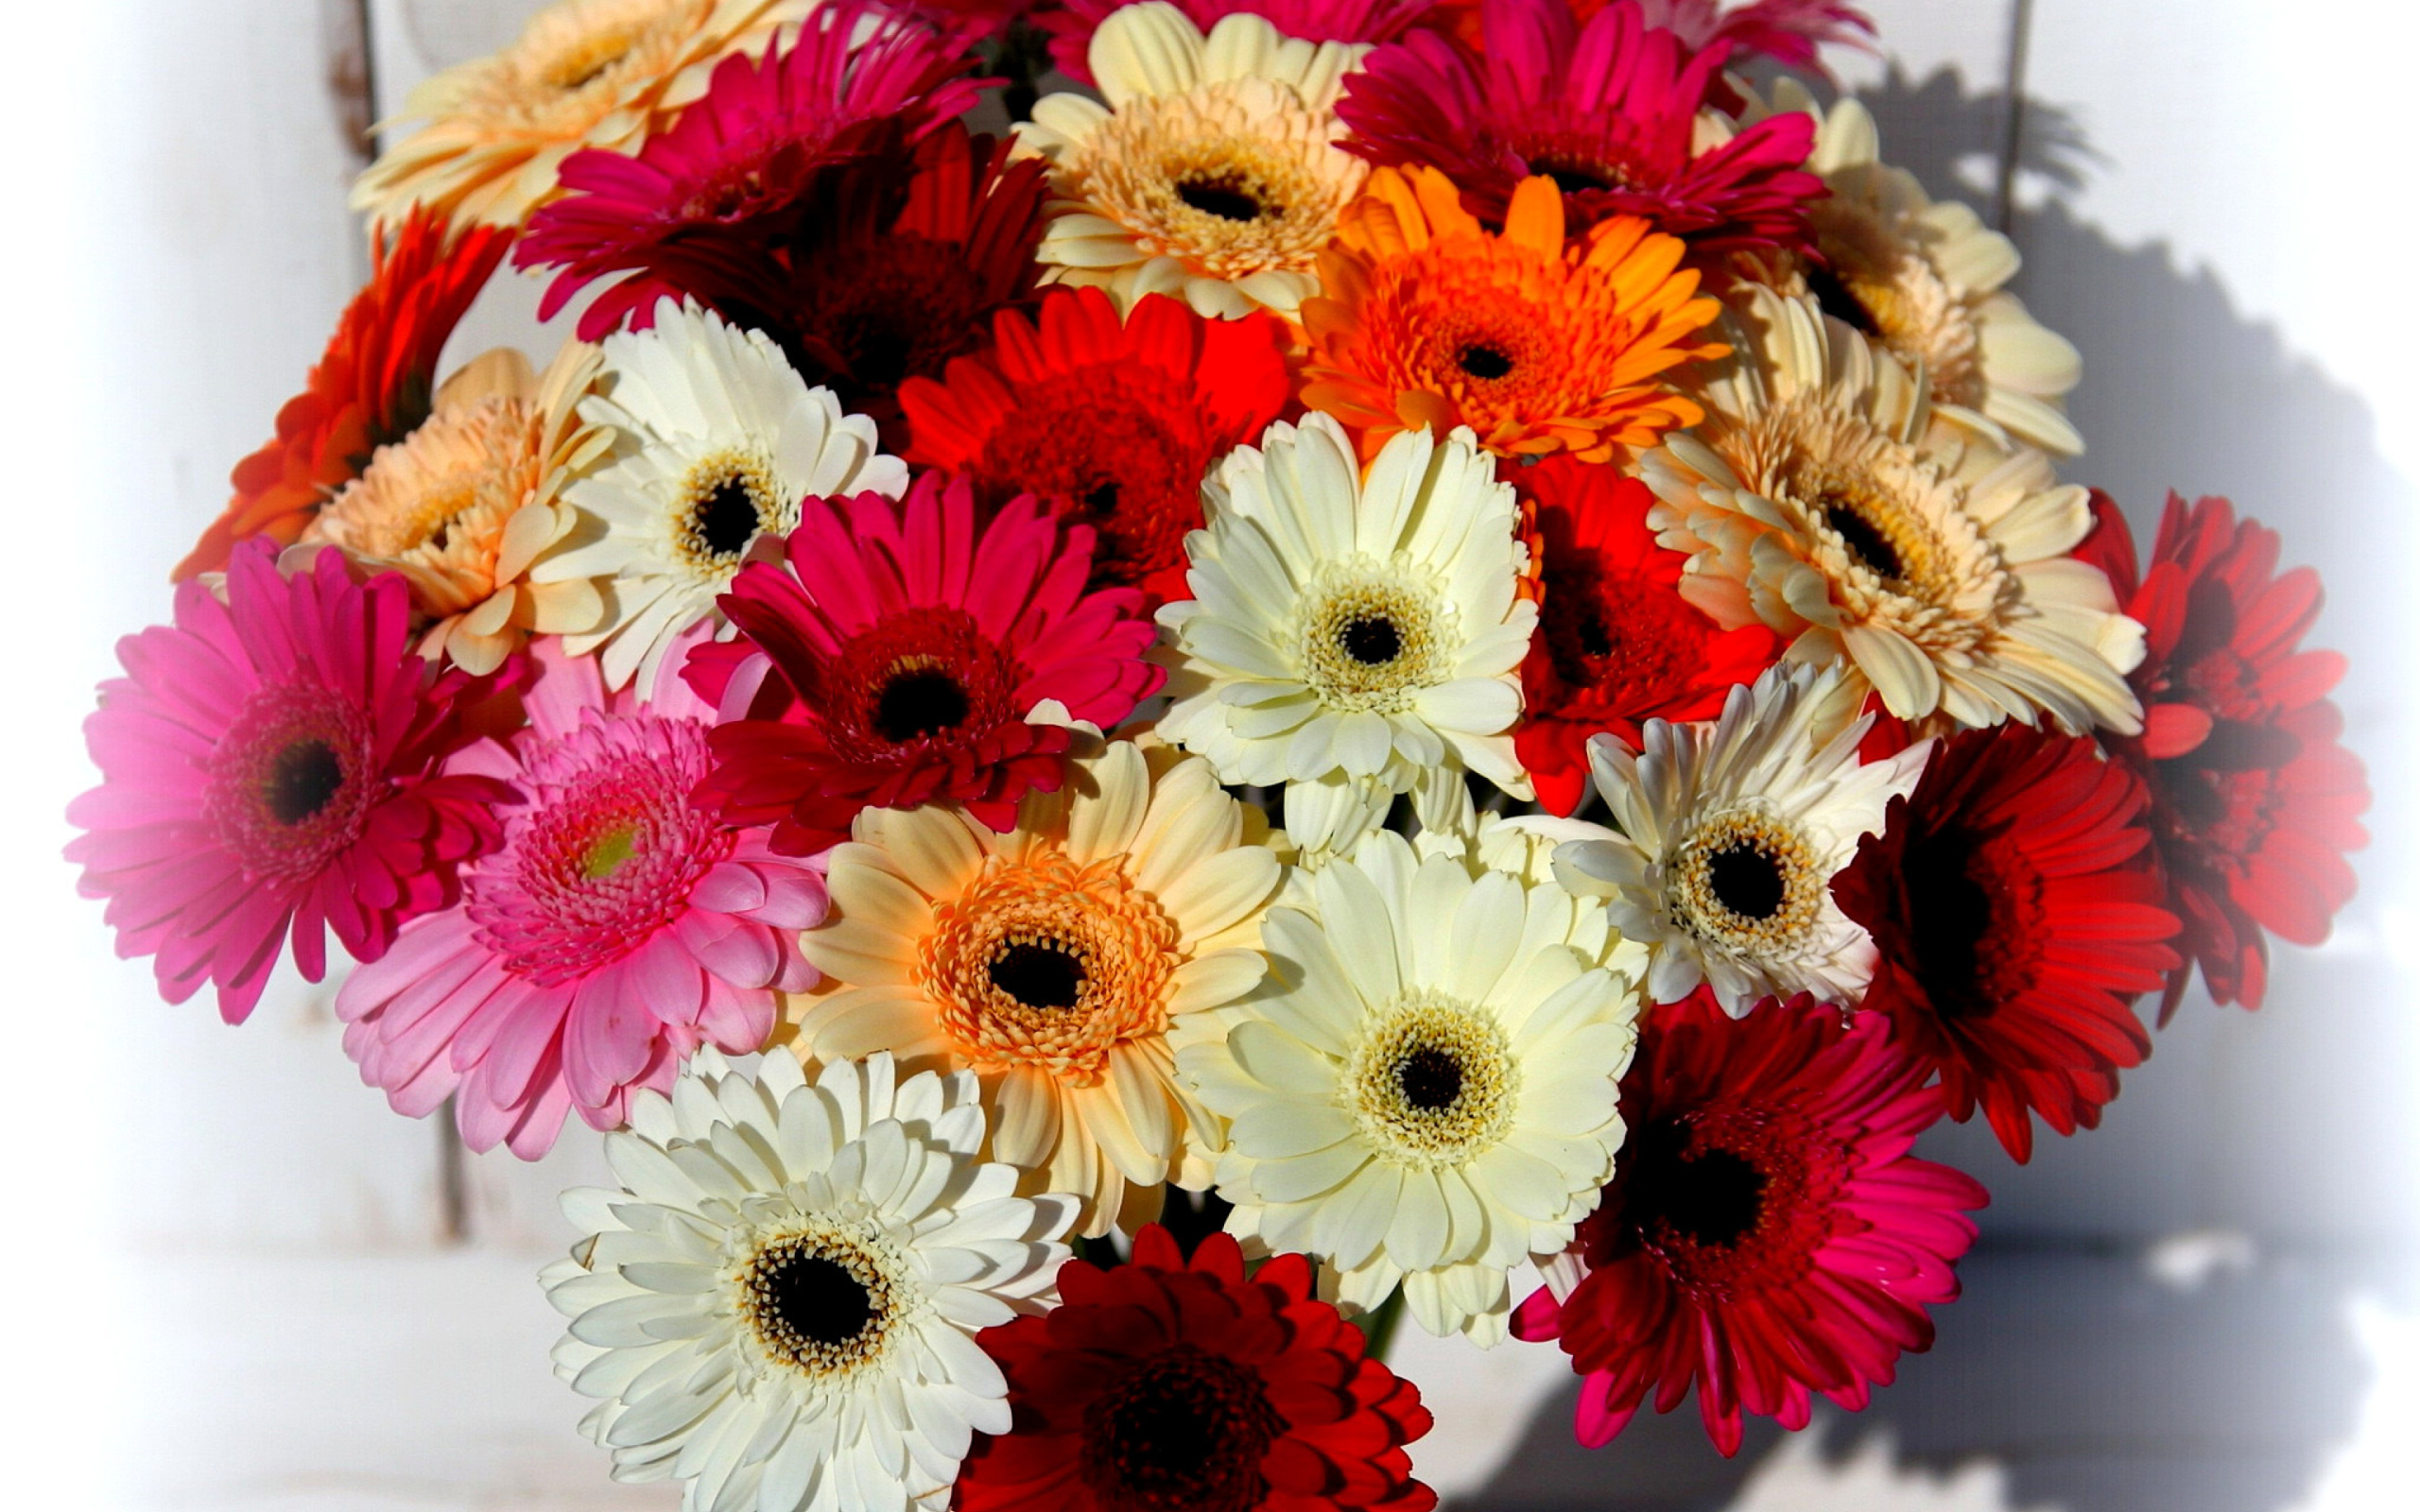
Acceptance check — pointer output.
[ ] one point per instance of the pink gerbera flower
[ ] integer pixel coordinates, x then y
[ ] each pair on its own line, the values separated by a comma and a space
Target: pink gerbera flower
616, 929
731, 180
1608, 111
267, 772
1071, 25
902, 657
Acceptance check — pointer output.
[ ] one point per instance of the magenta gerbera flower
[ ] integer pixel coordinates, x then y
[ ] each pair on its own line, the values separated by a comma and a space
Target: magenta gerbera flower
617, 928
903, 655
1607, 110
729, 182
268, 772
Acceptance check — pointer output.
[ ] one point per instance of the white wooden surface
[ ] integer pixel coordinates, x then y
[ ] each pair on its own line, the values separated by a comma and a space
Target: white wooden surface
289, 1328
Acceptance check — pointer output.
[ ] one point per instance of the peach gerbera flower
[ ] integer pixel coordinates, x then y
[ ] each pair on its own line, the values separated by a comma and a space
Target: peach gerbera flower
1536, 344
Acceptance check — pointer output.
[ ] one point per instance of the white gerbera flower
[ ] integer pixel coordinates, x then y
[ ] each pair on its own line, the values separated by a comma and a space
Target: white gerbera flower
1819, 497
1728, 836
779, 1307
716, 440
1349, 636
1213, 174
1423, 1092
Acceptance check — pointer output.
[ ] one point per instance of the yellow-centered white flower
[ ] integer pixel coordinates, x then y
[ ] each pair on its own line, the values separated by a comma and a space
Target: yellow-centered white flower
779, 1306
1423, 1092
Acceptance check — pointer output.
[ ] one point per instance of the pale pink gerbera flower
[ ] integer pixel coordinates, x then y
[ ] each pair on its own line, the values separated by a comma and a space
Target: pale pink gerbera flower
616, 929
267, 771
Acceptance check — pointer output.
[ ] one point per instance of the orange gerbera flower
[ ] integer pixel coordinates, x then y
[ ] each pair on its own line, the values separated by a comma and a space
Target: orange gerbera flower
372, 387
1538, 346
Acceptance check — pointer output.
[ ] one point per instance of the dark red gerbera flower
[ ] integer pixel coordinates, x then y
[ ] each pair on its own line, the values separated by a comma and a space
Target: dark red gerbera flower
372, 386
902, 654
1113, 423
1070, 25
2253, 802
1767, 1235
1163, 1384
1616, 644
726, 188
1608, 109
2015, 903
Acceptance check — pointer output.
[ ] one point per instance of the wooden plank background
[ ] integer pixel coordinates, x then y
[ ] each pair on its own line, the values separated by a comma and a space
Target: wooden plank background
2181, 178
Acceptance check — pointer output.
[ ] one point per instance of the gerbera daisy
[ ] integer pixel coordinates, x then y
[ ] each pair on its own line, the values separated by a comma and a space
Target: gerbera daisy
1616, 644
1428, 319
1729, 836
1053, 960
582, 74
2017, 905
1818, 498
616, 929
1767, 1235
1929, 282
1346, 635
904, 659
1071, 25
462, 505
726, 184
1608, 109
1167, 1384
780, 1306
1421, 1092
268, 772
1212, 174
371, 387
715, 441
2253, 801
1113, 424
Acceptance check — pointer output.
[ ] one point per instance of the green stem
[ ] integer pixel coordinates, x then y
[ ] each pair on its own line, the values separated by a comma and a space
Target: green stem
1378, 1325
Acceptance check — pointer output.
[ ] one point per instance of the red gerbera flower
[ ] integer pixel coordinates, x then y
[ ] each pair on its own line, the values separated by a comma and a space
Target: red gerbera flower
1164, 1384
727, 186
1608, 109
1767, 1235
901, 655
1616, 644
267, 772
1115, 423
2253, 801
2017, 906
1071, 25
372, 387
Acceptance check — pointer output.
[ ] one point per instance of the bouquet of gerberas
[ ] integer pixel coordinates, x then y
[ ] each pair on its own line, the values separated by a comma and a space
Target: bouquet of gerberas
1437, 627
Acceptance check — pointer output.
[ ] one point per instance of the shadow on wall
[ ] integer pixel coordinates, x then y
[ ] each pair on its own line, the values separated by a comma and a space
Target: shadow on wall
2098, 1387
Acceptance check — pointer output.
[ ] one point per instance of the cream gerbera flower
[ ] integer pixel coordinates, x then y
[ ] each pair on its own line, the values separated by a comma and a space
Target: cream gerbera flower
1818, 497
1212, 174
1053, 960
1727, 835
779, 1306
464, 503
716, 440
1346, 635
1929, 282
1423, 1092
583, 74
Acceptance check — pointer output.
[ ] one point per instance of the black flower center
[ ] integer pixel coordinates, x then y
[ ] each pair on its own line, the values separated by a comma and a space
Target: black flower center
1484, 362
727, 518
1869, 546
1431, 1079
1746, 880
1371, 639
918, 702
1183, 1431
303, 780
1571, 177
1590, 631
1101, 498
1707, 1195
1949, 918
1837, 302
1038, 974
818, 1300
1225, 197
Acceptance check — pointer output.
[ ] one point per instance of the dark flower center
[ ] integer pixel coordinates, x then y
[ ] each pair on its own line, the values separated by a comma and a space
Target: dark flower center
1746, 880
819, 1302
1101, 498
1573, 178
1183, 1431
1372, 640
819, 1299
1837, 302
302, 778
1431, 1079
1870, 548
917, 703
1484, 362
1038, 974
726, 517
1973, 923
1705, 1195
1223, 197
